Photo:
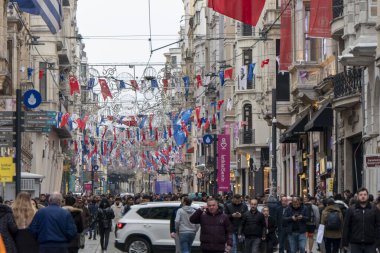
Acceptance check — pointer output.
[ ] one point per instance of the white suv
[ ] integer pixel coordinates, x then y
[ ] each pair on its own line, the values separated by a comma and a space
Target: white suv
146, 227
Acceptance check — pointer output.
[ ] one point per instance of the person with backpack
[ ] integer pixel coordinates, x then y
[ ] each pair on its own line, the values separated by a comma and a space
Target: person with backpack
313, 221
104, 217
332, 218
362, 225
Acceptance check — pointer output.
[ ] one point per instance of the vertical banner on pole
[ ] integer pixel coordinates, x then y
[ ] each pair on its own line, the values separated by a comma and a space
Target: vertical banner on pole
223, 162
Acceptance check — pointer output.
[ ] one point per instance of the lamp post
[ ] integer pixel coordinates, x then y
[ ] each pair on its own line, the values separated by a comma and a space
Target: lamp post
272, 201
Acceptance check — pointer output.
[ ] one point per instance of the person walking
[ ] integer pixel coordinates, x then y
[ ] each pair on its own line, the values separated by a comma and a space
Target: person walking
270, 239
252, 227
53, 226
235, 211
362, 225
312, 223
86, 216
184, 228
280, 211
104, 218
23, 213
216, 228
8, 227
93, 209
117, 209
77, 215
332, 219
295, 218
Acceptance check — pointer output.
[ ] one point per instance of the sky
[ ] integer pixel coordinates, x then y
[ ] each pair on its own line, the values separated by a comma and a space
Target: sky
128, 17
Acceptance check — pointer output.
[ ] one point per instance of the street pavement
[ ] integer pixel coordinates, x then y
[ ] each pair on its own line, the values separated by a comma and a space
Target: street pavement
93, 246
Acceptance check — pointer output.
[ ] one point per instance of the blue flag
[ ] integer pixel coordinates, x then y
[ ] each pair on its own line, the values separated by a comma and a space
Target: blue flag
154, 84
186, 81
142, 123
91, 83
49, 10
122, 84
221, 77
251, 68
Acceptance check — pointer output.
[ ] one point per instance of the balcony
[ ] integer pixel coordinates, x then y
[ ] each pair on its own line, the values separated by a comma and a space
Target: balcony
347, 88
337, 23
247, 137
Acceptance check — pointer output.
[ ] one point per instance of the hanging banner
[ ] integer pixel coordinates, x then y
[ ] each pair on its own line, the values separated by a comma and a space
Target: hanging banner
320, 18
224, 162
285, 36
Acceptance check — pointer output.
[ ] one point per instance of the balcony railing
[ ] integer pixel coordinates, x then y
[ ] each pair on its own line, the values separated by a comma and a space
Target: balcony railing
348, 83
337, 8
247, 136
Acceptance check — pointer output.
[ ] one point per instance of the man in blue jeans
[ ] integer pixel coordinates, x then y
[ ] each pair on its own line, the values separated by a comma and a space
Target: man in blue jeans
253, 228
235, 211
294, 223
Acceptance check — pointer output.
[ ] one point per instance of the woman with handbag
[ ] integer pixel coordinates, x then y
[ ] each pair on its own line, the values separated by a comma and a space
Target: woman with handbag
104, 218
269, 240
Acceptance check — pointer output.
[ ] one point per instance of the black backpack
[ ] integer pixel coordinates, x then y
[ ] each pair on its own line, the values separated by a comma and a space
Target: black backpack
310, 212
333, 221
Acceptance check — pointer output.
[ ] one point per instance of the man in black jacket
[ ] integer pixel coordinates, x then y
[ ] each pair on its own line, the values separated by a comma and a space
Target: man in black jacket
361, 229
235, 211
252, 227
280, 211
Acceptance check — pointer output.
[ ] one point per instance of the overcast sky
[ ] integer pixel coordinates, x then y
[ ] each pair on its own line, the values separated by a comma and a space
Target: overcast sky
128, 17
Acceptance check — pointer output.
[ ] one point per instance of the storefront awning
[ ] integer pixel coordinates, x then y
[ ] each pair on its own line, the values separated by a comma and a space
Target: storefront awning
321, 120
298, 127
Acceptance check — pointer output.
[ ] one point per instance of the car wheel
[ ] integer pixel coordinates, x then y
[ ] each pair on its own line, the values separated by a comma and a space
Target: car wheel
137, 245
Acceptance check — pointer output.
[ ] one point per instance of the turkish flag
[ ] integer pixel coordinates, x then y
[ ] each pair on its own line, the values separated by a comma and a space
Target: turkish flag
41, 74
134, 85
199, 81
320, 18
246, 11
264, 62
74, 85
228, 73
105, 90
165, 83
64, 120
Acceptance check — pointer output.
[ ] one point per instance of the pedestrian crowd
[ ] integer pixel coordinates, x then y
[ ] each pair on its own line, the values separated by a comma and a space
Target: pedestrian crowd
227, 223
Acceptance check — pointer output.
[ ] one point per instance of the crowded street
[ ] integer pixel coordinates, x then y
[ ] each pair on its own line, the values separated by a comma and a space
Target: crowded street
189, 126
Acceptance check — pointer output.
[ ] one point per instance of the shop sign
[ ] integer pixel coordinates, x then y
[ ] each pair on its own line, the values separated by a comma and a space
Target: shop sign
372, 161
224, 162
329, 186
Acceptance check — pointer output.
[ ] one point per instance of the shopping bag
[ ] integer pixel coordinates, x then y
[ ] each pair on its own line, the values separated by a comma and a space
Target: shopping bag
321, 231
2, 245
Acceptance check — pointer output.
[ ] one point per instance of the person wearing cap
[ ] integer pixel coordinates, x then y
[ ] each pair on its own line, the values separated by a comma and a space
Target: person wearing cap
117, 209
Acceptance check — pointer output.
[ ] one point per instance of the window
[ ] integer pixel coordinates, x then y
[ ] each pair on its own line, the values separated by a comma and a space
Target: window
174, 61
247, 30
247, 116
156, 213
372, 7
282, 80
247, 130
43, 80
247, 59
312, 45
198, 18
